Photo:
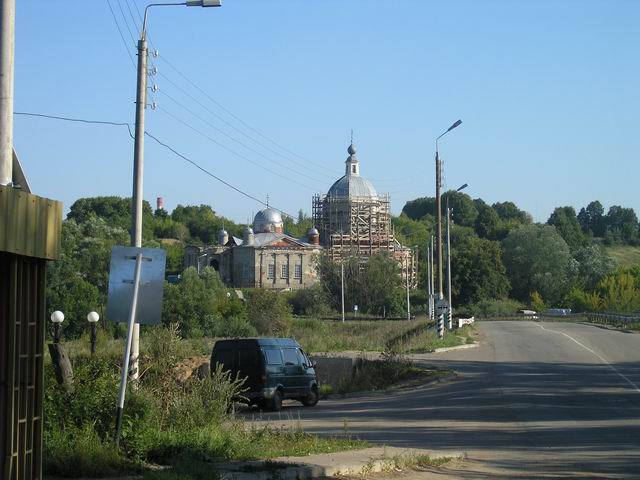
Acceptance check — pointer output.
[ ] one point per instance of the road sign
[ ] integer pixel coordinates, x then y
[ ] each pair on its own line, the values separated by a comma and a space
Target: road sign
123, 261
441, 306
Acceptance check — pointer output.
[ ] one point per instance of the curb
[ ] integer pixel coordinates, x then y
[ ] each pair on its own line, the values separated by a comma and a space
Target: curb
459, 347
370, 460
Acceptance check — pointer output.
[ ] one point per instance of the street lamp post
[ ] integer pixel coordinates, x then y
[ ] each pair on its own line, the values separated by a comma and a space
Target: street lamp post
450, 309
93, 318
138, 150
439, 230
57, 318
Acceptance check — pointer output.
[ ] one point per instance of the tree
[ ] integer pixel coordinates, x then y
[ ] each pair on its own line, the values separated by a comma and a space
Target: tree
538, 259
508, 211
566, 223
477, 270
298, 228
269, 312
591, 219
622, 224
203, 223
375, 285
487, 224
418, 208
463, 209
115, 211
593, 265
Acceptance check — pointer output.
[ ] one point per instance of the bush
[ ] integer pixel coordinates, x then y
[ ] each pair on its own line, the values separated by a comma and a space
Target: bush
269, 313
493, 307
312, 301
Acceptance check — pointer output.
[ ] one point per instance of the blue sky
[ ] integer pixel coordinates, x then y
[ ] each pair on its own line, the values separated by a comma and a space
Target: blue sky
547, 90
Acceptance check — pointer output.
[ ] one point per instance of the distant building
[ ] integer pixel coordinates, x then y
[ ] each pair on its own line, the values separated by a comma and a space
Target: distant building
265, 257
353, 219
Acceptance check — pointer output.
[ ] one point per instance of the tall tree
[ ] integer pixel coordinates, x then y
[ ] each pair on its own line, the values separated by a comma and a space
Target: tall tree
565, 221
622, 224
487, 223
538, 259
591, 219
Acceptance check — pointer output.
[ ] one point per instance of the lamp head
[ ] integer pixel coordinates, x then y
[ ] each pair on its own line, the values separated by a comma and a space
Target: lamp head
457, 124
462, 187
204, 3
57, 317
93, 317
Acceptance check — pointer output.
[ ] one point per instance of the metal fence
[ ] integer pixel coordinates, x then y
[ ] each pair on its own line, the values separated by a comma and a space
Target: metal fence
620, 320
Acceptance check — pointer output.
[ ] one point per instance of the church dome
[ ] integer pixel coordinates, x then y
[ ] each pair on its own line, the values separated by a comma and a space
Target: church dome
268, 220
352, 184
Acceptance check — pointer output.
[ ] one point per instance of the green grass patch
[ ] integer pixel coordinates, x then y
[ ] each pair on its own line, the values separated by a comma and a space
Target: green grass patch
625, 256
428, 341
335, 336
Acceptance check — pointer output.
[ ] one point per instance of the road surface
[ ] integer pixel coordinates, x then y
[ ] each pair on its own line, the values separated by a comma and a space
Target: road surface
534, 400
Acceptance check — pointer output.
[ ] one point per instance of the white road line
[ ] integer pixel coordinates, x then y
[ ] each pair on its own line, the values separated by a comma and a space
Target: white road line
604, 360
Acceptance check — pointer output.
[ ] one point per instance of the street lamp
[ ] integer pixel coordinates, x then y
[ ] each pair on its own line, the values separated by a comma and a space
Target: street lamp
93, 318
450, 310
439, 232
138, 170
57, 318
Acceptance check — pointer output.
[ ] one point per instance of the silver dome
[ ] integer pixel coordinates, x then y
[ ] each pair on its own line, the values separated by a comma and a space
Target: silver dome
352, 186
313, 231
267, 220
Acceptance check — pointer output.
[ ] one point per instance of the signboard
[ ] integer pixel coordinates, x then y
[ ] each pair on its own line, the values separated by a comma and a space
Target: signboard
123, 261
442, 306
465, 321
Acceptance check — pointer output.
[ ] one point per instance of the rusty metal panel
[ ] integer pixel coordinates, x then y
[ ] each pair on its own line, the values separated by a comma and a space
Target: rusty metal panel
22, 332
29, 225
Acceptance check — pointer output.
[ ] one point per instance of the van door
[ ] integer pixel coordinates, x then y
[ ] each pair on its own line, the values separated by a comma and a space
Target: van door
294, 372
274, 368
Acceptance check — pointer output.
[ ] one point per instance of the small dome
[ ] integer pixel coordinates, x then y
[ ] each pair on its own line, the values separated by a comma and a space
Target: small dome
352, 149
248, 230
268, 220
313, 231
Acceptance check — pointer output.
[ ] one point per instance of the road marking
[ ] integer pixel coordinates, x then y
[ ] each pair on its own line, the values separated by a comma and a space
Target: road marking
604, 360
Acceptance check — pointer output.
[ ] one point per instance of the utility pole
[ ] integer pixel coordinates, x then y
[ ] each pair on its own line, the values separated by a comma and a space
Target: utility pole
138, 175
342, 286
450, 309
7, 32
433, 282
408, 304
429, 279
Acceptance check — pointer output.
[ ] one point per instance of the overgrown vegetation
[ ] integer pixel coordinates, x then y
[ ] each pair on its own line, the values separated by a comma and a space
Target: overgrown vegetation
167, 421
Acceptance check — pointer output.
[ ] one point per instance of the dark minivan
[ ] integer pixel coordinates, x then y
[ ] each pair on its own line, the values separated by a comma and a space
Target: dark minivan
275, 369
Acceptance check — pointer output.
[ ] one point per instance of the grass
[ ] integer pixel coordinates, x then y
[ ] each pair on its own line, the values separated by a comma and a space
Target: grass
625, 256
428, 340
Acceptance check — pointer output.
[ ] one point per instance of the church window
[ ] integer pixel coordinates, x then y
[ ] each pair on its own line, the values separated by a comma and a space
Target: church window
271, 272
298, 271
285, 271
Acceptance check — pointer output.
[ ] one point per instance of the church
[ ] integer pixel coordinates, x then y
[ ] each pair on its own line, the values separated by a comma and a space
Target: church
351, 219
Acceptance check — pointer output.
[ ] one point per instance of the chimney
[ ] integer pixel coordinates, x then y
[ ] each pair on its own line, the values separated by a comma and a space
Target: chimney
160, 203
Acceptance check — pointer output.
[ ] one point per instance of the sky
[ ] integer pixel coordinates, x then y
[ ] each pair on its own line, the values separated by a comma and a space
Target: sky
265, 95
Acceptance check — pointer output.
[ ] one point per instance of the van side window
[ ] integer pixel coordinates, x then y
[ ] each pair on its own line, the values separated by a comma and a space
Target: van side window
247, 357
291, 356
273, 357
302, 358
224, 357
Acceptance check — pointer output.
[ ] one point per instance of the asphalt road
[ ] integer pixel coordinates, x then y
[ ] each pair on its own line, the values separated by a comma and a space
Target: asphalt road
534, 400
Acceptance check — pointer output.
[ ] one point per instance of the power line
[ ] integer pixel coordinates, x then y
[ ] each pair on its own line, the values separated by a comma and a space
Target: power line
230, 113
173, 150
133, 40
233, 152
204, 120
121, 34
229, 124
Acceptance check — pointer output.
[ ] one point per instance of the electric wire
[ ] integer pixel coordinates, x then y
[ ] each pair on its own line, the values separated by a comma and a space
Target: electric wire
204, 120
121, 34
230, 125
157, 140
233, 152
124, 17
238, 119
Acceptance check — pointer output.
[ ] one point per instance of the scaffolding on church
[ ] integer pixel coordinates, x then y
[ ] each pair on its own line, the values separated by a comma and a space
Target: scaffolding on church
361, 226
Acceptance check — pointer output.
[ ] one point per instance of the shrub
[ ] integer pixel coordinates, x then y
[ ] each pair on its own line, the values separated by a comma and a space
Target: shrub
494, 307
312, 301
269, 313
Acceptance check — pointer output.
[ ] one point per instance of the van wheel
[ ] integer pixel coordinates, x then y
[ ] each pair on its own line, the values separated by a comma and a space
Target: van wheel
312, 398
276, 401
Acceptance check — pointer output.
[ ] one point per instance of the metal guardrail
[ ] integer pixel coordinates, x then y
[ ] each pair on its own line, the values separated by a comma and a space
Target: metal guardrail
616, 319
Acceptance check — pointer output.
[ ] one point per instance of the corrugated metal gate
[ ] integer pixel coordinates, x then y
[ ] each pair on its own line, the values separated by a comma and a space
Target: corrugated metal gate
22, 313
29, 236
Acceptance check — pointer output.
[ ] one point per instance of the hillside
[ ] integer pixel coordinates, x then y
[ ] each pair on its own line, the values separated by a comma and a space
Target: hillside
624, 255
